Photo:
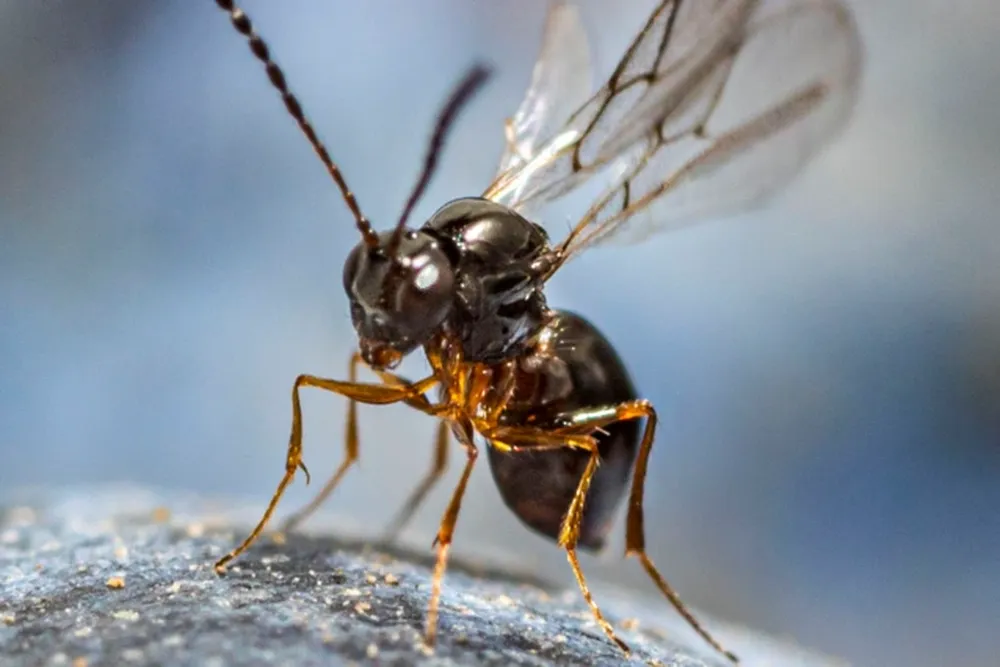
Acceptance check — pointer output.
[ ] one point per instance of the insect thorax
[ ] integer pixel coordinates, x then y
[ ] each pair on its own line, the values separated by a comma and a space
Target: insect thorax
499, 302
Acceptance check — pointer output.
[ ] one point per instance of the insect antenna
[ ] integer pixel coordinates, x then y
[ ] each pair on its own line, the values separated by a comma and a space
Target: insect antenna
259, 48
470, 84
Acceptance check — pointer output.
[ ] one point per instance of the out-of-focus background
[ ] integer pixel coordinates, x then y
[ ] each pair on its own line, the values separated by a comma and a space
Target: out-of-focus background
827, 369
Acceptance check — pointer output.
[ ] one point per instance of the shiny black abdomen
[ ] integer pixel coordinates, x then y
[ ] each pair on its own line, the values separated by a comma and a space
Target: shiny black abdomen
499, 303
575, 368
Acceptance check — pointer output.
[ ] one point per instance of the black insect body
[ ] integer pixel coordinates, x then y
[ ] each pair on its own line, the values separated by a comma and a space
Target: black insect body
500, 302
568, 436
475, 271
571, 375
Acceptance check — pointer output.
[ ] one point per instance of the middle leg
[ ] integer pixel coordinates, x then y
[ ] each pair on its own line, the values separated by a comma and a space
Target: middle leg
464, 431
419, 494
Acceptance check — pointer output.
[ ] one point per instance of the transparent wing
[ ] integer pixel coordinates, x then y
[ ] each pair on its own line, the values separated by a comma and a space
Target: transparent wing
716, 104
763, 113
560, 83
677, 42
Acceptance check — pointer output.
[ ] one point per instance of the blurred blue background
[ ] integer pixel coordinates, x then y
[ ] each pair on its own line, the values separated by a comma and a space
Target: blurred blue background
827, 369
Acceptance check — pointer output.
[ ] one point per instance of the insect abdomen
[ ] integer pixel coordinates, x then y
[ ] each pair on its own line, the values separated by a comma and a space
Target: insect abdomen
574, 368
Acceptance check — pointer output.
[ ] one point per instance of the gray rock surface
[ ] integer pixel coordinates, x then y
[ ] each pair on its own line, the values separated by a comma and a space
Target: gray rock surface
119, 576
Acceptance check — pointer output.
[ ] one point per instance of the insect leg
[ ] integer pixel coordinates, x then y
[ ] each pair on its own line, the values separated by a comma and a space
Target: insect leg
635, 540
350, 456
363, 393
476, 395
568, 536
427, 483
634, 535
447, 528
351, 442
536, 439
438, 466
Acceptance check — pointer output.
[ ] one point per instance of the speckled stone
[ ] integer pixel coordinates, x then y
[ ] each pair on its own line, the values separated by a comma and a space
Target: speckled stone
119, 576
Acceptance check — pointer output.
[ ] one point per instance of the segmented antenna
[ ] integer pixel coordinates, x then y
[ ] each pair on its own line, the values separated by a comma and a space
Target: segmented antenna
243, 25
460, 96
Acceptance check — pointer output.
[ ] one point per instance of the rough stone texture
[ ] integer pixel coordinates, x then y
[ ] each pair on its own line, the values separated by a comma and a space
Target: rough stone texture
124, 577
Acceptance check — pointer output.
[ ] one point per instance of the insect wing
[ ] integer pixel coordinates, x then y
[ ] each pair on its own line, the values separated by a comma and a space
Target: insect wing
676, 39
560, 82
714, 106
766, 112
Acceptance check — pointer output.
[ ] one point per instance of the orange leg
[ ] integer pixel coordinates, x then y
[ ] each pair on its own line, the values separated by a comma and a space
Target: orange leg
515, 438
536, 439
418, 495
438, 466
634, 538
476, 391
351, 442
363, 393
447, 529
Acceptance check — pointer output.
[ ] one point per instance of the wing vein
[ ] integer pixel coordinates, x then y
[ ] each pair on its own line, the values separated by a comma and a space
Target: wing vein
713, 106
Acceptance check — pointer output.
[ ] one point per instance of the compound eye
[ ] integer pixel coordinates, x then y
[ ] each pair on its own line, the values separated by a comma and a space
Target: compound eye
425, 294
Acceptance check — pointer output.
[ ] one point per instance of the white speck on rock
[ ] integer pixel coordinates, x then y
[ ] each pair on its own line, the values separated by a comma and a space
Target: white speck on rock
132, 655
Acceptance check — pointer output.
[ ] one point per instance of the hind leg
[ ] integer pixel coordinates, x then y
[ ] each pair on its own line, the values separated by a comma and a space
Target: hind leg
588, 421
635, 539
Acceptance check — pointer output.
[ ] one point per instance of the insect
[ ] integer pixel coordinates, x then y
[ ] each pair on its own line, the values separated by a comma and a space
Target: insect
714, 105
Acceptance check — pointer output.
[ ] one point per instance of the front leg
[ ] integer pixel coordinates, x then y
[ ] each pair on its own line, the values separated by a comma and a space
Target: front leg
363, 393
420, 402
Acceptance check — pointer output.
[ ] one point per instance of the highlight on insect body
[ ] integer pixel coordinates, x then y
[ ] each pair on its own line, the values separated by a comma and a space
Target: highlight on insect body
713, 107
